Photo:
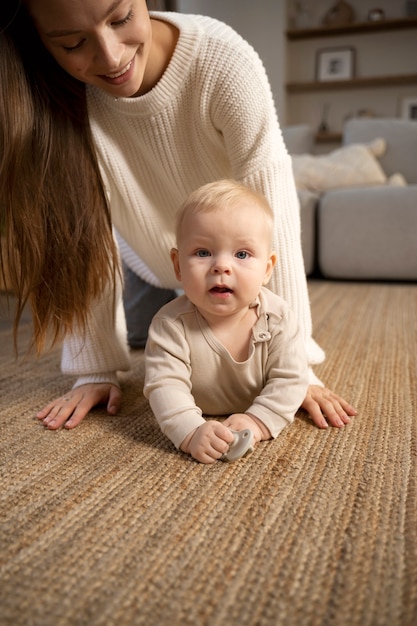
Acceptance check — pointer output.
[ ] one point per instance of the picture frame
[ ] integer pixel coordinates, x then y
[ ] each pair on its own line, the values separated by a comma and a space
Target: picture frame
409, 108
335, 64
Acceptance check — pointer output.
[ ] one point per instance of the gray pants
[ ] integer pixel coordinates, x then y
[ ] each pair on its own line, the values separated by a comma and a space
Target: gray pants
141, 301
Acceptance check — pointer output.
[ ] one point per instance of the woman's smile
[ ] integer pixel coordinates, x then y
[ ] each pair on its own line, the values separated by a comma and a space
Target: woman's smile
122, 76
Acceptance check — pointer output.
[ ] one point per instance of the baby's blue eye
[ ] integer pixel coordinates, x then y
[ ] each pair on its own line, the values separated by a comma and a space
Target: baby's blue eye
202, 253
242, 254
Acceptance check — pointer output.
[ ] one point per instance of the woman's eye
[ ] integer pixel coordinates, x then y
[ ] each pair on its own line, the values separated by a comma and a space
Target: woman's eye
242, 254
202, 253
124, 21
116, 23
76, 47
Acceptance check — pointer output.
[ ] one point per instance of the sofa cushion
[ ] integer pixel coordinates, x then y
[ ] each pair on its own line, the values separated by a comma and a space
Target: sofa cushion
401, 139
349, 166
368, 234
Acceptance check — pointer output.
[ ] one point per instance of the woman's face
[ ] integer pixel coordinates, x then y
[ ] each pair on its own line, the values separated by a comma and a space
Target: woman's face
105, 43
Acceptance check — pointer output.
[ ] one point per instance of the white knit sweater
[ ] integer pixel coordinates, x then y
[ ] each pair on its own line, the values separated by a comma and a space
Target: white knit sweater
210, 116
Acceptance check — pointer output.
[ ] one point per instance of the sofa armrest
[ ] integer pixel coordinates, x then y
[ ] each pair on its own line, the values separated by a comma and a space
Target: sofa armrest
368, 233
308, 209
299, 139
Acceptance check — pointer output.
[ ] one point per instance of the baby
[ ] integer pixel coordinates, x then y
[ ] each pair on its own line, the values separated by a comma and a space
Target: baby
229, 346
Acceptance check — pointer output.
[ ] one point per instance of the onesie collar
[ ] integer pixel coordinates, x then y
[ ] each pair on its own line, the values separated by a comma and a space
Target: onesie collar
260, 330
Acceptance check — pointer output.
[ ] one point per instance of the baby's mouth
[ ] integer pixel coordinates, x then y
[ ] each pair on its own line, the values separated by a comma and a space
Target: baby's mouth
221, 289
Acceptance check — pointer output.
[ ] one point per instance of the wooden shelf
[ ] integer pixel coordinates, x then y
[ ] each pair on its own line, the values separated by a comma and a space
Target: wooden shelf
354, 83
332, 91
355, 28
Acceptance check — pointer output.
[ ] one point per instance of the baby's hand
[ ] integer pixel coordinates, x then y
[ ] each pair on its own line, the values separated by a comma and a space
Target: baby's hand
208, 442
240, 421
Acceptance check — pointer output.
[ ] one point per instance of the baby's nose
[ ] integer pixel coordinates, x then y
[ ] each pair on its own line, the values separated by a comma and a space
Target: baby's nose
220, 266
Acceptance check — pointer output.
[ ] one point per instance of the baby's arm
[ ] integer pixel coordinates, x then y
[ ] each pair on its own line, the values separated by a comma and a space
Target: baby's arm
169, 391
208, 442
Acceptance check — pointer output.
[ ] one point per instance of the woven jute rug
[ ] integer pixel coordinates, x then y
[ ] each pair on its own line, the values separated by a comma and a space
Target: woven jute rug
109, 525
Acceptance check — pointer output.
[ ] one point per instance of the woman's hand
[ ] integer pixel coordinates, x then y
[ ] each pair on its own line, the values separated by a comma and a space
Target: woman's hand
70, 409
325, 407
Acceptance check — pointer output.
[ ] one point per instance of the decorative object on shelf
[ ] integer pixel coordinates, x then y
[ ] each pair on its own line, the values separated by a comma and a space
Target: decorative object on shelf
360, 113
339, 14
365, 113
302, 17
376, 15
323, 128
335, 64
411, 8
409, 108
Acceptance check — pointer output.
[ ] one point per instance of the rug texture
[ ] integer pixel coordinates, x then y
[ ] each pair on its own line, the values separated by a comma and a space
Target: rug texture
108, 525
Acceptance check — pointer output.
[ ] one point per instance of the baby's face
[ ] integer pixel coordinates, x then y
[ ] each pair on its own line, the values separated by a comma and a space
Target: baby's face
224, 258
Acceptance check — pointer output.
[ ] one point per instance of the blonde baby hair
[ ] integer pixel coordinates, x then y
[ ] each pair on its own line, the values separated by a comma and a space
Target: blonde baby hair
225, 192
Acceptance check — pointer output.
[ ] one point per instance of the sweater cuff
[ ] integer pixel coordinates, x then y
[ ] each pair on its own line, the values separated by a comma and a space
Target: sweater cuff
103, 377
313, 379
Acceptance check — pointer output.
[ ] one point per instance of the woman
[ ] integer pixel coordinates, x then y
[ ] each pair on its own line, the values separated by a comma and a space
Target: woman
111, 117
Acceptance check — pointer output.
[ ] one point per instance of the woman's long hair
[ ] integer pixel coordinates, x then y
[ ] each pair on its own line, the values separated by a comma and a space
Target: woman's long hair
53, 210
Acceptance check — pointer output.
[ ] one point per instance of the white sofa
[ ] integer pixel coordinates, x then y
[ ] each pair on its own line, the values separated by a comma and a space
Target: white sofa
364, 232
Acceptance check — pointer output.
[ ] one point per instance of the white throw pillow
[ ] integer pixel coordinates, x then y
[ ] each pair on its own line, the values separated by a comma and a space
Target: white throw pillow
353, 165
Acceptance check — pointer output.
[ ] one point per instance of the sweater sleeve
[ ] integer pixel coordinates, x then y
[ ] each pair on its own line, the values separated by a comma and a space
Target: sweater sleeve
96, 355
244, 112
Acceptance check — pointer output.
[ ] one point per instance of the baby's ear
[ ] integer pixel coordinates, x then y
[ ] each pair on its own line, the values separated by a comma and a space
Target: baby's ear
269, 267
176, 262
